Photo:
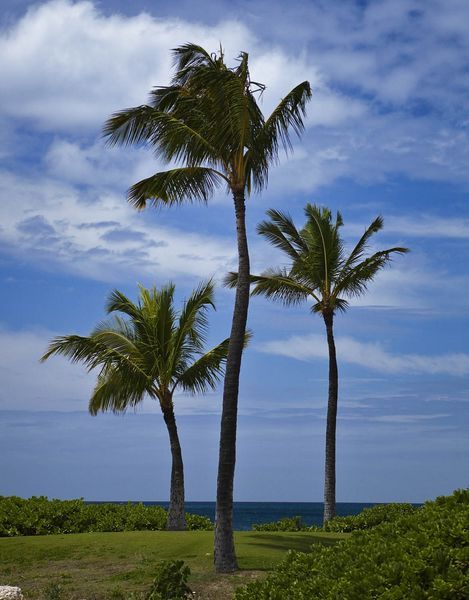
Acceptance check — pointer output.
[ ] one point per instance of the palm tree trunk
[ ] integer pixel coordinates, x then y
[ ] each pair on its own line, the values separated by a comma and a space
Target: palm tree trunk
329, 482
224, 550
176, 515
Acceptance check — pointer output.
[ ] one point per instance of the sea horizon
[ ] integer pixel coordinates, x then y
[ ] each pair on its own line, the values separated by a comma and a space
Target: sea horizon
248, 513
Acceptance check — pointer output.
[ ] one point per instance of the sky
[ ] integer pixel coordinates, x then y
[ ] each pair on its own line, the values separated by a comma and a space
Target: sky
387, 133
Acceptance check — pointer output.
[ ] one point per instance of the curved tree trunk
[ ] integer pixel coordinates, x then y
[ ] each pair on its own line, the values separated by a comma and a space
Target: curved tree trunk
176, 515
224, 550
329, 482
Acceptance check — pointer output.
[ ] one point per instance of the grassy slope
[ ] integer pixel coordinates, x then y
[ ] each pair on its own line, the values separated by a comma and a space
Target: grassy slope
92, 565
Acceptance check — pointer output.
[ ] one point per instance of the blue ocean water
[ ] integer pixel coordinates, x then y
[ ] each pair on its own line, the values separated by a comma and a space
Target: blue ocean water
245, 514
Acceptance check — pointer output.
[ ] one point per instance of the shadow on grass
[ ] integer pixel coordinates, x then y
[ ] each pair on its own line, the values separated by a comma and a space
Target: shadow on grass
298, 542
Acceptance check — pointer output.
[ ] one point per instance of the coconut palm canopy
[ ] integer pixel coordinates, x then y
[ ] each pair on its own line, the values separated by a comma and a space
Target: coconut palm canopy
320, 269
150, 350
209, 120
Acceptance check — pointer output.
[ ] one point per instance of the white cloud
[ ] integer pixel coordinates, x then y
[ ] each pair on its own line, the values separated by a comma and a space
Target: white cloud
97, 235
29, 385
68, 65
59, 385
429, 226
369, 355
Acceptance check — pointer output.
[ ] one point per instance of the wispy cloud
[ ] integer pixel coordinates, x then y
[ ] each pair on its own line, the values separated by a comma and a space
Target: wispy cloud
368, 355
70, 228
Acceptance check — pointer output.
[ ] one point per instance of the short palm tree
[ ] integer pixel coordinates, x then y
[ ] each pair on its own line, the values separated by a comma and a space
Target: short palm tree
321, 272
208, 121
151, 350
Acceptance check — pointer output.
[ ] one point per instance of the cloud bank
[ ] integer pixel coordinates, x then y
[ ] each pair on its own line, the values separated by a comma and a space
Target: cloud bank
368, 355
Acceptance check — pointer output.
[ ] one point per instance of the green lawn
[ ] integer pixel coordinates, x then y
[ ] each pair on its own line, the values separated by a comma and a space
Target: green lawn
94, 565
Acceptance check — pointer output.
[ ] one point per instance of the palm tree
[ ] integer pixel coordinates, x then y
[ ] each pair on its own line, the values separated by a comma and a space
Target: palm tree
321, 272
208, 121
151, 350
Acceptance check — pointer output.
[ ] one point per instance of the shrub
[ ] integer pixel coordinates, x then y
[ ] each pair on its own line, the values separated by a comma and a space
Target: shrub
40, 516
170, 582
197, 522
369, 517
285, 524
422, 554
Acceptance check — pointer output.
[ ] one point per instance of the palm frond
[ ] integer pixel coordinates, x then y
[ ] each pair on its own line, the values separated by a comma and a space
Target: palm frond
357, 254
175, 186
190, 57
325, 248
354, 282
193, 322
288, 115
281, 232
76, 348
206, 371
117, 390
278, 284
130, 126
174, 139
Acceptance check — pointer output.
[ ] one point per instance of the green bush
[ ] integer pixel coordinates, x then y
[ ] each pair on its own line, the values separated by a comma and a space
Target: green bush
170, 582
421, 555
40, 516
285, 524
369, 517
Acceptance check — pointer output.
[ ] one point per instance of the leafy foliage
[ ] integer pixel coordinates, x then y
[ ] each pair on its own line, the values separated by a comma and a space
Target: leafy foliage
421, 554
285, 524
368, 518
147, 348
40, 516
207, 122
319, 270
170, 582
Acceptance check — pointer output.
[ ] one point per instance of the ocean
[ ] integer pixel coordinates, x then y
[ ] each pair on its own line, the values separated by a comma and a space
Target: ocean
245, 514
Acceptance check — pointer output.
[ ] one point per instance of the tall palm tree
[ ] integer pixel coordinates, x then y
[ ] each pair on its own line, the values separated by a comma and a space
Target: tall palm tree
151, 350
320, 271
208, 121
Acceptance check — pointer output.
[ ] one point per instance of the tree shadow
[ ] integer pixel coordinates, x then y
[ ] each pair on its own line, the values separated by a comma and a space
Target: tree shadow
300, 542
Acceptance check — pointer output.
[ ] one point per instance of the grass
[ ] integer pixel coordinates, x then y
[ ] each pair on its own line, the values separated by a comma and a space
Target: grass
100, 565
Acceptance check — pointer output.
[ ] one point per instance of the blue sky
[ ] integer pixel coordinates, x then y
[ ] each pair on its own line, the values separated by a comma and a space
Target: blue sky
387, 133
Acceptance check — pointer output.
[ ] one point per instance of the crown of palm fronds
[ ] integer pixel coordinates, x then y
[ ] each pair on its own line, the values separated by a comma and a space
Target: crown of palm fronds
148, 347
319, 268
207, 120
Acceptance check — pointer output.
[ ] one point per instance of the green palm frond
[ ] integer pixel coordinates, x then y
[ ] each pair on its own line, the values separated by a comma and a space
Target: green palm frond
358, 253
119, 302
318, 268
279, 285
207, 118
148, 349
174, 139
206, 371
189, 58
117, 390
76, 348
193, 321
130, 126
354, 281
282, 233
325, 248
288, 115
175, 186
